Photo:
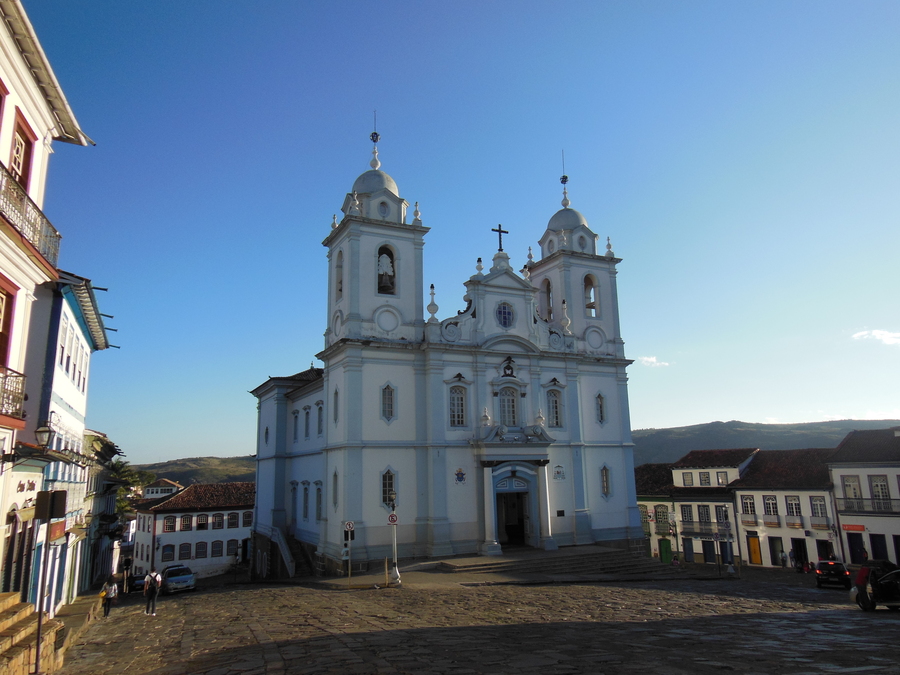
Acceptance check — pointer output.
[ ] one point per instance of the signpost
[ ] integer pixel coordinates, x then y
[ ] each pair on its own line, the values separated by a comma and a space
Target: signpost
349, 535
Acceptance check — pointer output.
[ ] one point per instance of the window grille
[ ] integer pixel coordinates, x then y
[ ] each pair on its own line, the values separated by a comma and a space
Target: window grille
457, 406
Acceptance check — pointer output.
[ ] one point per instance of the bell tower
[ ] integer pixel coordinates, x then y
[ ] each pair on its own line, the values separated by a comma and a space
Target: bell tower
576, 286
375, 262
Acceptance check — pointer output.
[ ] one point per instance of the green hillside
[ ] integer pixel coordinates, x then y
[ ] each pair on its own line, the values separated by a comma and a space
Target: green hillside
669, 445
205, 469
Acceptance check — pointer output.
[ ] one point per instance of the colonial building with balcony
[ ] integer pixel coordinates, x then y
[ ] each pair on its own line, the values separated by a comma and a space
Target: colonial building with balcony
203, 526
33, 114
654, 487
703, 502
785, 507
865, 470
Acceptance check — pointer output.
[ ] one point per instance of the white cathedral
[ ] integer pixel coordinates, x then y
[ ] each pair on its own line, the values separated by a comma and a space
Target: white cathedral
504, 425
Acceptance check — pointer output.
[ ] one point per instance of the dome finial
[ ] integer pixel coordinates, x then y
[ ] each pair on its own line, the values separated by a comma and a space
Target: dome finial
375, 137
564, 179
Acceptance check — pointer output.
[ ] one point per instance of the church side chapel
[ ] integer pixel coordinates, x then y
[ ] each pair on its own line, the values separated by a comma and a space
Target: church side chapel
504, 425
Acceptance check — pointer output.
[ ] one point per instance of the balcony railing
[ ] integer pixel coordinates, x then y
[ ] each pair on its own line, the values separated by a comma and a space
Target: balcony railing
771, 521
748, 519
820, 523
794, 521
12, 393
885, 506
662, 527
23, 214
699, 528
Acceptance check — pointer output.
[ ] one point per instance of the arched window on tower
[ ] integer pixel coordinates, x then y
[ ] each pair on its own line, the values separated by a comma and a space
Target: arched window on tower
591, 303
387, 278
508, 406
339, 276
547, 301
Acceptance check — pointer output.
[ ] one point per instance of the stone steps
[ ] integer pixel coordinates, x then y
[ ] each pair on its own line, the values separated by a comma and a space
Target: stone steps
588, 562
18, 637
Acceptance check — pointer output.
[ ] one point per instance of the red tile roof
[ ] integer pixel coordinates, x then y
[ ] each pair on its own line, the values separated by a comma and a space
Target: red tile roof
872, 446
787, 469
206, 496
653, 479
714, 459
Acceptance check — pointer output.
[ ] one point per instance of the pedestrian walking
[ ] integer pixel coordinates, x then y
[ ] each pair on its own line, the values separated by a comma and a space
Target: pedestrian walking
783, 560
791, 555
152, 582
110, 595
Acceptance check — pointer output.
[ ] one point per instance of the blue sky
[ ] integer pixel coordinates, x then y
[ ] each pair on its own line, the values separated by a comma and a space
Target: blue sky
744, 158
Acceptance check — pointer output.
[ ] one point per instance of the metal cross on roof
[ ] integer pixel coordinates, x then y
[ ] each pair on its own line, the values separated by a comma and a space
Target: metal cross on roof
500, 232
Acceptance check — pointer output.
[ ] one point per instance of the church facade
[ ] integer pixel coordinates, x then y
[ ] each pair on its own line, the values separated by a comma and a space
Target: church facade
503, 425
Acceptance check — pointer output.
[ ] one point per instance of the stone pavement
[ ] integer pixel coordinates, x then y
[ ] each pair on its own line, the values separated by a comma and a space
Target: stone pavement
768, 622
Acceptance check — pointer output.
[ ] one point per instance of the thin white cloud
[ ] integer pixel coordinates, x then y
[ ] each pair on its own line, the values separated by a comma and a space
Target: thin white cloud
884, 336
651, 361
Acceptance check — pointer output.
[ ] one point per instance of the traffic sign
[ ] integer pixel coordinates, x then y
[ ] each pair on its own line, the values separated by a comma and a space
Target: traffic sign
716, 536
393, 519
727, 524
348, 526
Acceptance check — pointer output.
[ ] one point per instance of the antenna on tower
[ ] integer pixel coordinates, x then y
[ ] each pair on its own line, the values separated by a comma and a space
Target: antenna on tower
374, 135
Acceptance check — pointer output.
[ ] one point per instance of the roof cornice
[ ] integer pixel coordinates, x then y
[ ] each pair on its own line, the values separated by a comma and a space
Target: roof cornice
22, 32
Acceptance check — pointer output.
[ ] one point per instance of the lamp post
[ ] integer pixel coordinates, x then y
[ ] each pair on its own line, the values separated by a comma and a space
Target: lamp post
395, 572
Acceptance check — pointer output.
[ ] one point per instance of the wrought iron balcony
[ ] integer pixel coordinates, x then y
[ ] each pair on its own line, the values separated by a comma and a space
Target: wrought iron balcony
23, 214
12, 393
662, 527
885, 506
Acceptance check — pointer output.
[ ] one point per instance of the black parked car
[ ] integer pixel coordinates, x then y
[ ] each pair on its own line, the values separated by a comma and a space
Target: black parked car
830, 572
878, 583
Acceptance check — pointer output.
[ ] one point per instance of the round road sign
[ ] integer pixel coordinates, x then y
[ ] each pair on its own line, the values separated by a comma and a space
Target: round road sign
348, 525
392, 519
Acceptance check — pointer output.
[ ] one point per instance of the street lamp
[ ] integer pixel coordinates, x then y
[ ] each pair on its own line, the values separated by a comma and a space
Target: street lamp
46, 433
395, 572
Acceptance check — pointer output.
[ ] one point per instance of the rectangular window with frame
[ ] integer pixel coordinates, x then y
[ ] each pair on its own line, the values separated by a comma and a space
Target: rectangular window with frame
721, 513
704, 478
721, 478
387, 487
703, 514
202, 522
387, 402
792, 503
306, 422
605, 484
687, 479
817, 504
200, 549
21, 152
554, 417
457, 406
318, 503
305, 502
687, 513
748, 504
186, 523
217, 549
771, 505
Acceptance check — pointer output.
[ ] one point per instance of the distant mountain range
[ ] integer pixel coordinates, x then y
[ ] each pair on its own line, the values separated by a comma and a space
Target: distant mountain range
650, 445
669, 445
205, 469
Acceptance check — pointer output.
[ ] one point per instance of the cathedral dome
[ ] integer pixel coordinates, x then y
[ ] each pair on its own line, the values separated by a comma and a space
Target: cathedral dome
565, 219
373, 181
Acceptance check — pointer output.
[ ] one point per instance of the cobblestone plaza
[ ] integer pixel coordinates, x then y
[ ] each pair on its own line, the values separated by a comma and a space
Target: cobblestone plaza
774, 622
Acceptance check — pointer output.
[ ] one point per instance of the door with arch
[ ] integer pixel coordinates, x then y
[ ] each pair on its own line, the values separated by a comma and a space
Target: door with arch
514, 493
